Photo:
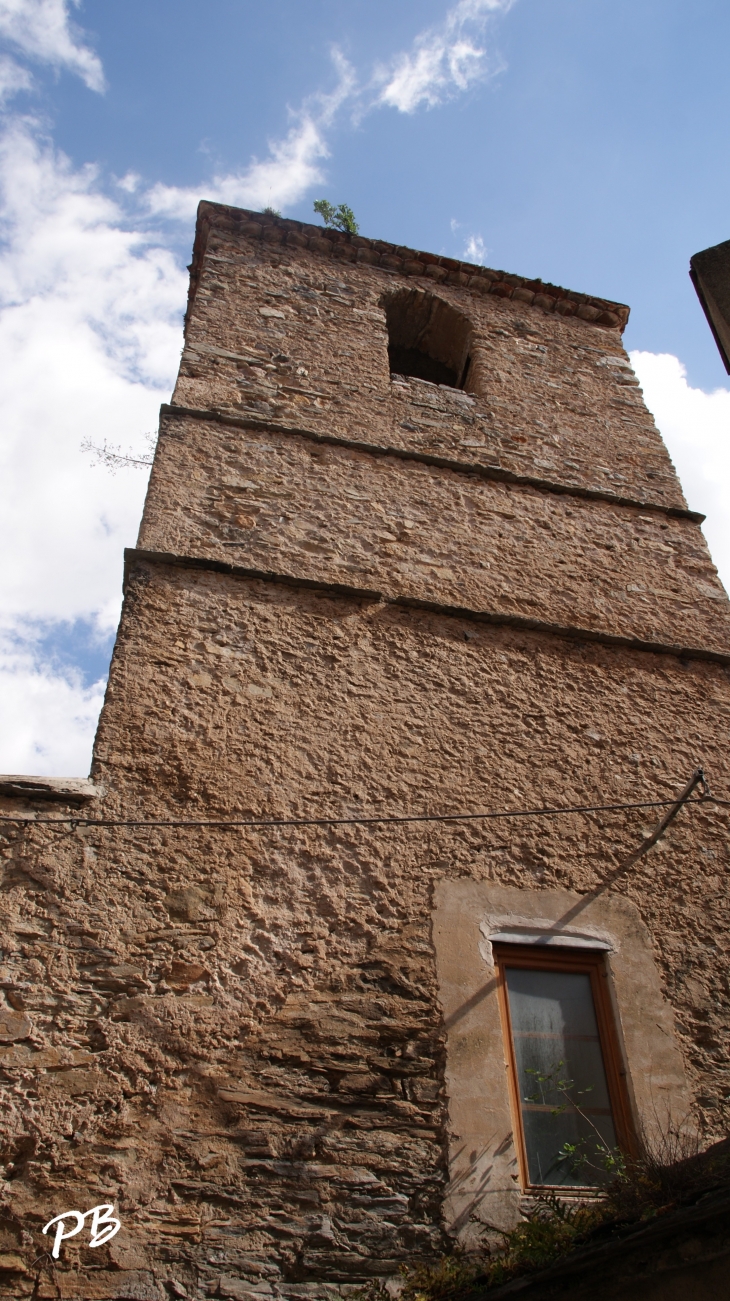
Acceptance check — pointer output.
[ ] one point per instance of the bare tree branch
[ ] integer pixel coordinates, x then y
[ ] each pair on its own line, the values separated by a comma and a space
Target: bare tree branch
111, 456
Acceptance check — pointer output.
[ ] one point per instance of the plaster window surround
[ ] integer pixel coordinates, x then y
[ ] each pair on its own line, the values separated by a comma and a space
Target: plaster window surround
485, 1183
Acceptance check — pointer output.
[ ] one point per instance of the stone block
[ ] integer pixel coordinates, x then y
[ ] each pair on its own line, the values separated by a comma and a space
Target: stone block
12, 1263
238, 1289
14, 1025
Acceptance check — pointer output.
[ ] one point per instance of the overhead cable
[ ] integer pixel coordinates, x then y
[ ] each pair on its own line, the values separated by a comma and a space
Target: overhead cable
385, 820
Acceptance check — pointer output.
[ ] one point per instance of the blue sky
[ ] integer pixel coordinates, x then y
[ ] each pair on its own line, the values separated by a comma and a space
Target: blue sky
596, 158
581, 142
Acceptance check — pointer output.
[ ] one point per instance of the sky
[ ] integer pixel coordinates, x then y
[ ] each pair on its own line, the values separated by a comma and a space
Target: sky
584, 143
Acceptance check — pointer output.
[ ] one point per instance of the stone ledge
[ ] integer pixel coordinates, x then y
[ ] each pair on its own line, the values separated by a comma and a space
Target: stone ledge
64, 790
134, 556
479, 468
393, 258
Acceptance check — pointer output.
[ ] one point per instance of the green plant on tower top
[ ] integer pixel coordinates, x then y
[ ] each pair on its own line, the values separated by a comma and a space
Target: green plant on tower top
339, 218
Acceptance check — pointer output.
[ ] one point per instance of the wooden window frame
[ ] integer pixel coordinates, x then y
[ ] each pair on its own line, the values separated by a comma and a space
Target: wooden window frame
593, 963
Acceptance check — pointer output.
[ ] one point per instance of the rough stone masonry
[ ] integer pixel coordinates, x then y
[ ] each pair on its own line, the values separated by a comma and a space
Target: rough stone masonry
359, 594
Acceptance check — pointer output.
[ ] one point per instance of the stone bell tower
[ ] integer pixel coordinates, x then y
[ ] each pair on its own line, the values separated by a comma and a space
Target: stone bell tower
412, 546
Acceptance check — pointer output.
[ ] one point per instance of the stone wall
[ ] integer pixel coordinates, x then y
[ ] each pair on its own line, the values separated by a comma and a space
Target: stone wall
286, 334
286, 504
235, 1033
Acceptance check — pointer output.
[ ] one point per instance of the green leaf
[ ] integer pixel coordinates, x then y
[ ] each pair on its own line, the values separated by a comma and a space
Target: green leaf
338, 218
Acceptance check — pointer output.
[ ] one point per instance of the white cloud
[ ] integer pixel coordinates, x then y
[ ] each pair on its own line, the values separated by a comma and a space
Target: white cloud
49, 717
475, 250
292, 167
696, 428
90, 335
12, 78
283, 178
444, 60
43, 32
129, 182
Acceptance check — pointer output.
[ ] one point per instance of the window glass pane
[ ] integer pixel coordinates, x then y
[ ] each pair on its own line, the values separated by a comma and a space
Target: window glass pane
566, 1110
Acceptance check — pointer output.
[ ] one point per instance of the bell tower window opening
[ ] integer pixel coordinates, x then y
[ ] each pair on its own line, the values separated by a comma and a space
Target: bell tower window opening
427, 338
568, 1094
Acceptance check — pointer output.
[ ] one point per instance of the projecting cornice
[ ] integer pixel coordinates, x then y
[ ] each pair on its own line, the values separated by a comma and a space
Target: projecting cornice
396, 258
135, 557
475, 468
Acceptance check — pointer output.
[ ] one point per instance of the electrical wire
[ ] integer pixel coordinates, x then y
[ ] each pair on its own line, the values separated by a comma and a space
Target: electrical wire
233, 823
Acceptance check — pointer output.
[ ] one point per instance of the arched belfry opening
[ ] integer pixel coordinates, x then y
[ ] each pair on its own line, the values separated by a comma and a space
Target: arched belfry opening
427, 338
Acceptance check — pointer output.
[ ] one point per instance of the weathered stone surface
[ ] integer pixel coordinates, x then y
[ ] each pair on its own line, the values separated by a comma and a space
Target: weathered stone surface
235, 1032
13, 1025
274, 502
63, 790
549, 397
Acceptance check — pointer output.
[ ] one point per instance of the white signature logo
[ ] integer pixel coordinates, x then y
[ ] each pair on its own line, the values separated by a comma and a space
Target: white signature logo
103, 1226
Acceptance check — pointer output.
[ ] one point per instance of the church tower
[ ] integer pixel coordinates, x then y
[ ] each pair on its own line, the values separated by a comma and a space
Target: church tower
413, 551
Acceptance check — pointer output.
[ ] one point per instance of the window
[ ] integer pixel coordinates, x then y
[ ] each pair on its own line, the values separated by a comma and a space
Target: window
427, 338
568, 1095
